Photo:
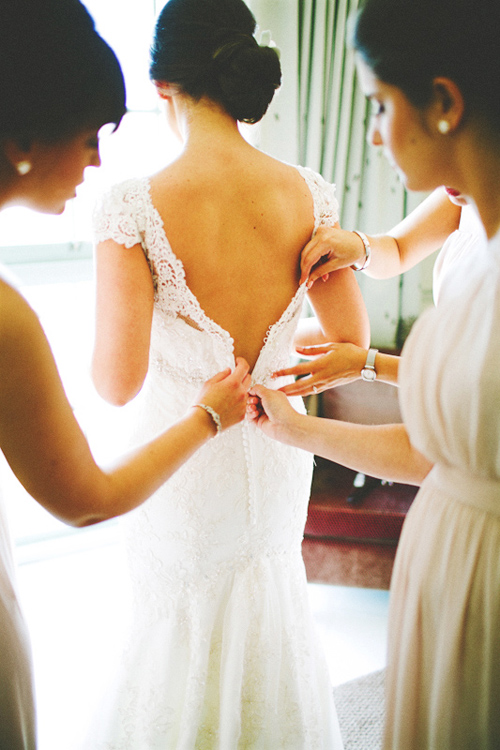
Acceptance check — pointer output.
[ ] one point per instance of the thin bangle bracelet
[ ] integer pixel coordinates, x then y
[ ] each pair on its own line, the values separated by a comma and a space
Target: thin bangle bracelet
213, 414
368, 252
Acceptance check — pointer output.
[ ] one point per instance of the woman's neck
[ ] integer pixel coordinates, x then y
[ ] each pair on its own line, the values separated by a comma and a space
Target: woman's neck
205, 125
481, 175
487, 200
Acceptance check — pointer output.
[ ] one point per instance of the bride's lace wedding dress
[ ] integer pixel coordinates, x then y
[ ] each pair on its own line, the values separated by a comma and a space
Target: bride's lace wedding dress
223, 653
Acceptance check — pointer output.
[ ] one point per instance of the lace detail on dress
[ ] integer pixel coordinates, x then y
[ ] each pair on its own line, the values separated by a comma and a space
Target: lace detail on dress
252, 491
326, 206
273, 355
128, 216
120, 216
223, 654
171, 286
160, 364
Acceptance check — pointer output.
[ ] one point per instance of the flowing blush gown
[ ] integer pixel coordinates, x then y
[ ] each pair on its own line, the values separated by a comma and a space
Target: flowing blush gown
443, 677
223, 653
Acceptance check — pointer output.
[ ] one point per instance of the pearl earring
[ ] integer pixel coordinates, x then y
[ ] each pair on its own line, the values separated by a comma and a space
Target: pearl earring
23, 167
444, 126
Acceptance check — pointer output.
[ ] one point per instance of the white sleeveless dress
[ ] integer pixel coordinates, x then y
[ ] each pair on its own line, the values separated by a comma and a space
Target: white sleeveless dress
223, 654
443, 676
17, 703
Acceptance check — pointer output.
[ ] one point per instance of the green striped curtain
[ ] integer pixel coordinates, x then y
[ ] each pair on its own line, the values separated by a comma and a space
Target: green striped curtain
333, 121
320, 119
333, 117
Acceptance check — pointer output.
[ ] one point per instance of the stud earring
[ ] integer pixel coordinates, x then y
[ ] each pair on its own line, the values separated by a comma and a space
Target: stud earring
23, 167
444, 127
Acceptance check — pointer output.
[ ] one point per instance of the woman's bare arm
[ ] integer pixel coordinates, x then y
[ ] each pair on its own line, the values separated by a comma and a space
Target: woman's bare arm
333, 365
420, 234
383, 451
340, 311
46, 448
409, 242
124, 310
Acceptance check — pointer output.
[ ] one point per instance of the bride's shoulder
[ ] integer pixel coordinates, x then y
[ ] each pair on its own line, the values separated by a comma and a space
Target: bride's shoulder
126, 191
313, 178
289, 171
121, 211
323, 193
124, 198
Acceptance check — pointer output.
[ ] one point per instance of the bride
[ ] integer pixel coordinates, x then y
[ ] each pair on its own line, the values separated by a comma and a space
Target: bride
196, 265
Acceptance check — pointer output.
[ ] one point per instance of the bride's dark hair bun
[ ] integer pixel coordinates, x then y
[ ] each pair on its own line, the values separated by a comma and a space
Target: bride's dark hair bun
247, 76
208, 48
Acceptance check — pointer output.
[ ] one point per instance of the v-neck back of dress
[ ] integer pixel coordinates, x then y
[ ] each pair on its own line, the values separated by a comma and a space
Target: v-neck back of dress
129, 216
222, 654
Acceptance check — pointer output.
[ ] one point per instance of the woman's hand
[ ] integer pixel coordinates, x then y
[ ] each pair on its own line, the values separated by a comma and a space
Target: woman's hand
227, 392
272, 412
339, 364
331, 248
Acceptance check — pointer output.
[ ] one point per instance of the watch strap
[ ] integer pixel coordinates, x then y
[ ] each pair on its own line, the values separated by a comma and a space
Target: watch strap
369, 372
370, 359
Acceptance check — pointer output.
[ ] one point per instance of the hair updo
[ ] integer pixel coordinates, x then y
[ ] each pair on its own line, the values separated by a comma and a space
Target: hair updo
58, 77
408, 43
207, 48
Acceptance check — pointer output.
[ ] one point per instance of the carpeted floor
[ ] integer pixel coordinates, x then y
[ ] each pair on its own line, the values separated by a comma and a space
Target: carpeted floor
360, 708
352, 545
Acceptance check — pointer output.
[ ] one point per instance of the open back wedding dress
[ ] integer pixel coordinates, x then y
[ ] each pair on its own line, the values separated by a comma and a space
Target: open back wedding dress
223, 653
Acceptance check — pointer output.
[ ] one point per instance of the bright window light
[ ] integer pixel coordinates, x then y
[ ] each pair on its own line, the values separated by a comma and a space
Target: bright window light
142, 144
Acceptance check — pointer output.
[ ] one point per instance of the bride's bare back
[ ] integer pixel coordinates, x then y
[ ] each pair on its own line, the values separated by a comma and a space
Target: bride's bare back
238, 222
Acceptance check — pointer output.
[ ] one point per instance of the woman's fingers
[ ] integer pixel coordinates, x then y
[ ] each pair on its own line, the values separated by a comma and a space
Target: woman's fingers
219, 376
242, 368
304, 387
330, 249
314, 350
304, 368
311, 255
323, 271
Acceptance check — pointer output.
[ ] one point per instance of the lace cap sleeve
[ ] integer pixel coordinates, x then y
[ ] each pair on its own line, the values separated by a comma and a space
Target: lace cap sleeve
119, 214
326, 205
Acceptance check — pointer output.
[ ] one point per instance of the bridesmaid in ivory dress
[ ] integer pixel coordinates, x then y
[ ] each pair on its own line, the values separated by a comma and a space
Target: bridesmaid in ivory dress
431, 70
196, 265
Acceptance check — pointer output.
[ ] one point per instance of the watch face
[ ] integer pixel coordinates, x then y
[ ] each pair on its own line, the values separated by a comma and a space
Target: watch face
368, 374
